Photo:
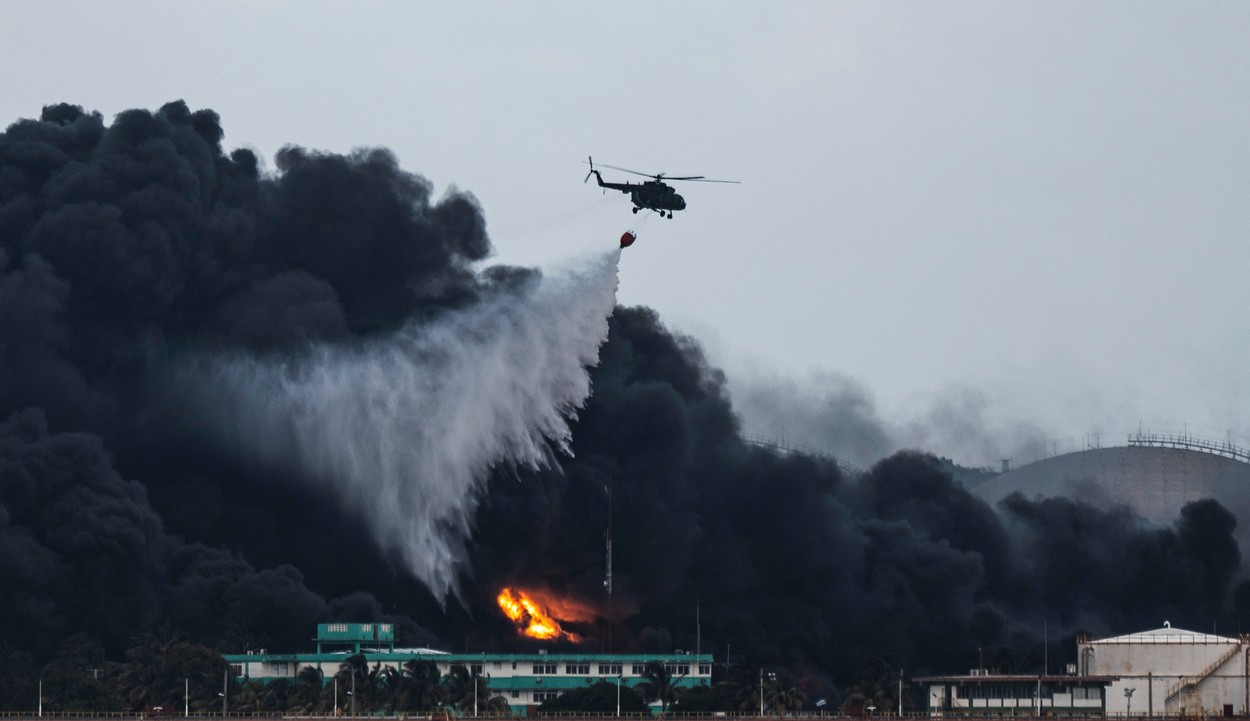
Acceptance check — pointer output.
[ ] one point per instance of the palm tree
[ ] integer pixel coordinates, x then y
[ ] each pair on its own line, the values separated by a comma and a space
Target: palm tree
160, 670
422, 690
141, 681
306, 696
275, 695
497, 706
248, 697
360, 681
780, 693
389, 687
77, 679
873, 686
19, 679
458, 687
658, 685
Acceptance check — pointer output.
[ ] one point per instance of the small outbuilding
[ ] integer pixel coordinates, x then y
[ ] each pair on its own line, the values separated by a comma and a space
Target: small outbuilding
985, 694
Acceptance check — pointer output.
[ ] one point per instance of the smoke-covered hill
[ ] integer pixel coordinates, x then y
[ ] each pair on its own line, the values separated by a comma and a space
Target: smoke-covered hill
197, 358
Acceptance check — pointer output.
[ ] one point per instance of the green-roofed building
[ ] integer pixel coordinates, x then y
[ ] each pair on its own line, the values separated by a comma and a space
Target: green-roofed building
524, 679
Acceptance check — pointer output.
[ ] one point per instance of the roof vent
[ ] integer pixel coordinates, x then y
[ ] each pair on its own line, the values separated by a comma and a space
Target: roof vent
1167, 624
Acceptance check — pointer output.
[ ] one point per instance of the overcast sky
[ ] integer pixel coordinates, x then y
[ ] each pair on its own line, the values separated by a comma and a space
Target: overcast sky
1040, 210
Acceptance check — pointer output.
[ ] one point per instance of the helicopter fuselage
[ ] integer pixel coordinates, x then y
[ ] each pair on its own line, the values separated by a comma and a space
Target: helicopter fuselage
651, 195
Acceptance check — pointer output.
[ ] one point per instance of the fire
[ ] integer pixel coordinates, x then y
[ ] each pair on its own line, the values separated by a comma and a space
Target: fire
530, 617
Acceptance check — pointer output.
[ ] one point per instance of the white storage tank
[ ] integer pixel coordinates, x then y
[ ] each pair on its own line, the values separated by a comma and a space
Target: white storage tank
1170, 671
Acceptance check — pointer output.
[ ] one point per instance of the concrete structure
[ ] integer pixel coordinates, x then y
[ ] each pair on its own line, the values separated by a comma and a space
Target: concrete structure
984, 694
525, 680
342, 636
1170, 672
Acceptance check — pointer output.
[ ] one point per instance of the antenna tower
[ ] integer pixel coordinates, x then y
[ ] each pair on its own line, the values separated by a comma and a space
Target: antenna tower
607, 579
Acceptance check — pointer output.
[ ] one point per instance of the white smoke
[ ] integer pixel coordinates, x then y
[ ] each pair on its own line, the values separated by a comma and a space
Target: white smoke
405, 429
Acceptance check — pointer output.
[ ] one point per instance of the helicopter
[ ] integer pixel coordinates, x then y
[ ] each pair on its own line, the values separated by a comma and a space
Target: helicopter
653, 194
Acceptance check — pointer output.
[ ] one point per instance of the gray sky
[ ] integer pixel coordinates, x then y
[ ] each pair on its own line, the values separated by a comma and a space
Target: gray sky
1040, 210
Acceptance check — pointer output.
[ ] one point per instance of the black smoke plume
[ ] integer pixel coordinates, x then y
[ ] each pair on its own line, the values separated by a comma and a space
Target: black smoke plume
792, 563
125, 243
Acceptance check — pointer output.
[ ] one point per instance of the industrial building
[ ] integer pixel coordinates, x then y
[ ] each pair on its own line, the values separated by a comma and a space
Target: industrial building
1167, 672
1171, 672
994, 695
525, 680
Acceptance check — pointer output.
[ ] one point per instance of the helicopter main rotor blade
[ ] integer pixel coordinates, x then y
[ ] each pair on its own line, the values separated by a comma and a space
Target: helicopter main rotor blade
664, 176
627, 170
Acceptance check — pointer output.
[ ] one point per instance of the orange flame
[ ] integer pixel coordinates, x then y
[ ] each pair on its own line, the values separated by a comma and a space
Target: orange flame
530, 618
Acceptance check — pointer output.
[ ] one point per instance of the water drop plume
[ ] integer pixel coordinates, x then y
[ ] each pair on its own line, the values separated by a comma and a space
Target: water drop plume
405, 429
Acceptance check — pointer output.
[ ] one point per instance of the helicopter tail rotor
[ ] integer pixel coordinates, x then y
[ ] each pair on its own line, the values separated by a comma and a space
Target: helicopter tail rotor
591, 162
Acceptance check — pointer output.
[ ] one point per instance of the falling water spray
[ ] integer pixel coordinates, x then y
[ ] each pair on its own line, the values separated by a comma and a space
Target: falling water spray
405, 429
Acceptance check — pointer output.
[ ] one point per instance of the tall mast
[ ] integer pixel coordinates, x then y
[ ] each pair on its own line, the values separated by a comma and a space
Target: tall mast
698, 631
607, 579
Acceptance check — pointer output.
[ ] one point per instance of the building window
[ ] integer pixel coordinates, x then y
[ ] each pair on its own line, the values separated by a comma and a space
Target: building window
236, 669
498, 665
677, 669
276, 669
609, 669
516, 694
705, 669
540, 696
544, 669
475, 669
577, 669
639, 669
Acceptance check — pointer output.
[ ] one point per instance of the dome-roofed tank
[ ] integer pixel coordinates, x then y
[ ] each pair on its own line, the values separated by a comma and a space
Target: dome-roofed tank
1153, 481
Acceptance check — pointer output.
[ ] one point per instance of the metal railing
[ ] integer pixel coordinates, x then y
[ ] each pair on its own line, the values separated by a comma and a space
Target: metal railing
1189, 443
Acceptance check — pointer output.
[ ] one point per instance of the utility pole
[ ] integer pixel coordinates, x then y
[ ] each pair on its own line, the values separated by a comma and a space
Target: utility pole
607, 579
1046, 647
225, 691
698, 633
761, 692
186, 697
41, 698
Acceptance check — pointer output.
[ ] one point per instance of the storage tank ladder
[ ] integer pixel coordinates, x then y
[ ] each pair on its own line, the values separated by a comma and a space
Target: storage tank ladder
1206, 673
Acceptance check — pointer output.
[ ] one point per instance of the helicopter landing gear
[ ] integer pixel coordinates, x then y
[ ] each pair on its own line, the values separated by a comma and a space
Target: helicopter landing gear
635, 211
